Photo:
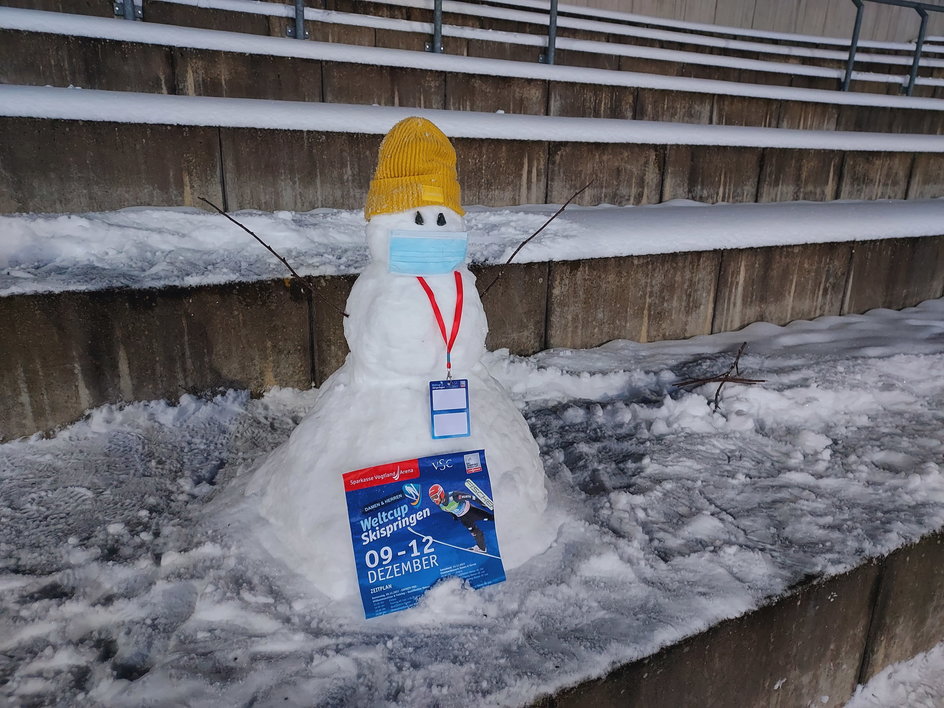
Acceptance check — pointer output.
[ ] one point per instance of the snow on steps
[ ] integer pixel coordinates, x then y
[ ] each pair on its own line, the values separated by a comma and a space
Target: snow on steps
931, 43
194, 278
138, 149
154, 109
148, 247
266, 18
225, 64
606, 36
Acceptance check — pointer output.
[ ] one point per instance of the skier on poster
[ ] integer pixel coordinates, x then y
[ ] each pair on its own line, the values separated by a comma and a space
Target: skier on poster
459, 504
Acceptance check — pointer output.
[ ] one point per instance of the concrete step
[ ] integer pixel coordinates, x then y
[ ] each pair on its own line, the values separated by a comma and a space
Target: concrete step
129, 149
769, 24
730, 23
62, 50
812, 647
84, 347
729, 41
470, 34
705, 61
709, 61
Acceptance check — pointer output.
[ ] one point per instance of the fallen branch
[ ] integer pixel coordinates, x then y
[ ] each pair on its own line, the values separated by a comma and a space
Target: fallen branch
524, 243
722, 379
304, 283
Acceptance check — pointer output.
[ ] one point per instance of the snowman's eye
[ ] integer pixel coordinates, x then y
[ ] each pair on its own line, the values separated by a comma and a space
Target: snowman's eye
418, 219
441, 219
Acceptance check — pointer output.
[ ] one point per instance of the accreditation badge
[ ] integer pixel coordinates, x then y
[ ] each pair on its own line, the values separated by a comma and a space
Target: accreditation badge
449, 414
417, 521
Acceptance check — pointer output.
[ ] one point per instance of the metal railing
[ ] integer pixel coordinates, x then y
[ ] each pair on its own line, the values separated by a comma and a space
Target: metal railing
435, 45
547, 57
129, 11
922, 8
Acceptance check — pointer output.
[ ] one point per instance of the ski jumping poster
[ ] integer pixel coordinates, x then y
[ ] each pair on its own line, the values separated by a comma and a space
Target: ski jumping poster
416, 521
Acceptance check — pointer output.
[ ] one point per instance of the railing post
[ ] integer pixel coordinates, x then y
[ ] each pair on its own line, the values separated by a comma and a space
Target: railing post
126, 9
918, 46
548, 56
853, 46
298, 29
436, 44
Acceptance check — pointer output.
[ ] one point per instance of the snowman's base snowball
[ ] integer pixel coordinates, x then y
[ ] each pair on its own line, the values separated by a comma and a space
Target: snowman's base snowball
356, 424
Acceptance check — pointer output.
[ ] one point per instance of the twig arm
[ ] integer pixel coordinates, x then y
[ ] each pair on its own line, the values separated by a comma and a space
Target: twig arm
531, 237
301, 280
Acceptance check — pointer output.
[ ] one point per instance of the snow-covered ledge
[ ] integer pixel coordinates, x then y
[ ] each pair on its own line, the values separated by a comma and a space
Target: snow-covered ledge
145, 247
129, 149
668, 272
629, 48
161, 109
169, 35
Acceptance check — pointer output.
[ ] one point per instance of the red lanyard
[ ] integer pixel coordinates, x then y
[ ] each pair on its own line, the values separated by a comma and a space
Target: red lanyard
439, 318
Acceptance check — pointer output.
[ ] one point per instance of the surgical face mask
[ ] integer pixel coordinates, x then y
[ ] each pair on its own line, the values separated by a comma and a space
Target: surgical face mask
414, 252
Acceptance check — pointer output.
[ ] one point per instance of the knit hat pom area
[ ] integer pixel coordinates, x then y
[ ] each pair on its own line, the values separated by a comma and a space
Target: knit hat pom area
416, 167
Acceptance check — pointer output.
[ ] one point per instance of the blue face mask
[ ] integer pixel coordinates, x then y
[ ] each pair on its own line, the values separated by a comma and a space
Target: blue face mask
426, 252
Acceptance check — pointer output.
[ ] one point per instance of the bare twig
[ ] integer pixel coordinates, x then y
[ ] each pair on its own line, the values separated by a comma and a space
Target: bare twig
524, 243
301, 280
722, 379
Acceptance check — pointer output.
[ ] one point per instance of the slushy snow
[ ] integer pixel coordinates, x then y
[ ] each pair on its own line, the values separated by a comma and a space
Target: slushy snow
129, 577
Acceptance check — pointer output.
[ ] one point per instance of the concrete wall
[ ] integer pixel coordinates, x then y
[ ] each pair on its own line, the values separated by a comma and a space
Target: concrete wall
61, 354
101, 8
791, 653
811, 647
66, 166
64, 353
909, 606
69, 166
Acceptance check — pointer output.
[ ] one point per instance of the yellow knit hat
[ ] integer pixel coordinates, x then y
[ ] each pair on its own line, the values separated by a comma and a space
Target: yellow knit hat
416, 167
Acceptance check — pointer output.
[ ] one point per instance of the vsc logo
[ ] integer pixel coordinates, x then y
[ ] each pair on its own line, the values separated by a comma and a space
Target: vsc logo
412, 493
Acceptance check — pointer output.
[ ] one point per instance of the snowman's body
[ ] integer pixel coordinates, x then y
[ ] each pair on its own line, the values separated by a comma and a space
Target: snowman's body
375, 409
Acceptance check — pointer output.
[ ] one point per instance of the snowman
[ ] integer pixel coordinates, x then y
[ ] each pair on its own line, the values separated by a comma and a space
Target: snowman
414, 317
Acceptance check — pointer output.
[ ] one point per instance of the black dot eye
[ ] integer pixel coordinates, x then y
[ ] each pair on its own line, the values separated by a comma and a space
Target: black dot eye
441, 219
418, 219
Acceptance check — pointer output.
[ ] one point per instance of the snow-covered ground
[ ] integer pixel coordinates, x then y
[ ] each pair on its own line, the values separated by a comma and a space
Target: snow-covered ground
916, 683
150, 247
129, 574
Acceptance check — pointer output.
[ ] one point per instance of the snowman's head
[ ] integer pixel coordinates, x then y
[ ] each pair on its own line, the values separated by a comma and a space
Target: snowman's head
415, 218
